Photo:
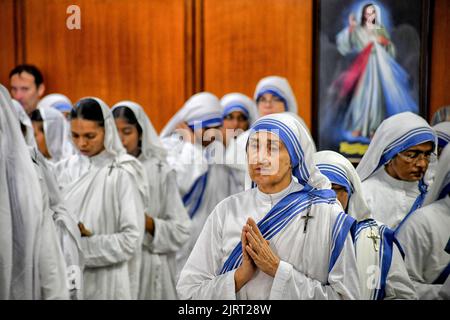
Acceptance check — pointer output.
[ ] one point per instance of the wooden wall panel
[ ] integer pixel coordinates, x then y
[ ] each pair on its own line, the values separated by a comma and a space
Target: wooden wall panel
245, 40
7, 45
159, 52
440, 57
125, 50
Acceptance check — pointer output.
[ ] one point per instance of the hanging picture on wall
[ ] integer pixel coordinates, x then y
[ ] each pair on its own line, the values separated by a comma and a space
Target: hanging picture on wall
371, 64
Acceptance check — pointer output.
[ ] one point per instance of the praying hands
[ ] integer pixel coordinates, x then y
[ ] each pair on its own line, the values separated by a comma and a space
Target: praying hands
256, 253
259, 249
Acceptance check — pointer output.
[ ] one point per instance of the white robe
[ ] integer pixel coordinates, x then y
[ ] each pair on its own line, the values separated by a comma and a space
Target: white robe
398, 283
423, 238
303, 269
107, 201
68, 234
389, 199
172, 225
52, 267
190, 162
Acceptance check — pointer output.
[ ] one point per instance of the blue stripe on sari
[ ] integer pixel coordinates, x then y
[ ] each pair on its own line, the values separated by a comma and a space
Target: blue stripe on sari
443, 276
337, 176
386, 250
193, 198
423, 188
443, 139
344, 225
278, 218
368, 223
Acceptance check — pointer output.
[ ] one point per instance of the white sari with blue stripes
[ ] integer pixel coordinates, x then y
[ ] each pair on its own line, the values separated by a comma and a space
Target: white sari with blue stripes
317, 260
202, 182
381, 268
425, 237
392, 201
311, 267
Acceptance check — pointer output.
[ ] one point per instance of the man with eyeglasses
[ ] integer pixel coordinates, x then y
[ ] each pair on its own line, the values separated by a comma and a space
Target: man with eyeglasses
393, 170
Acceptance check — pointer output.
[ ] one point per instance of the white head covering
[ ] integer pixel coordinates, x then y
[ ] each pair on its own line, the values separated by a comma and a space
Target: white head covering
26, 121
443, 133
441, 185
443, 114
239, 102
395, 134
200, 111
57, 101
280, 87
340, 171
20, 210
113, 144
151, 145
55, 130
300, 146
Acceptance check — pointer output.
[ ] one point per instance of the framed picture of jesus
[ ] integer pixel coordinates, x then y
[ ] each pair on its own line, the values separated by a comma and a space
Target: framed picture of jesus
371, 61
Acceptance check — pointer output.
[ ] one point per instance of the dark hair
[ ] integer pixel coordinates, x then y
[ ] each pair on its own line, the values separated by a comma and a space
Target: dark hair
31, 69
125, 113
36, 116
363, 18
88, 109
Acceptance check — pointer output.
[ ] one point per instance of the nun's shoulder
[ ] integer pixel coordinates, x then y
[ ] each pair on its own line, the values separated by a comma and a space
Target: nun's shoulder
373, 182
428, 216
233, 202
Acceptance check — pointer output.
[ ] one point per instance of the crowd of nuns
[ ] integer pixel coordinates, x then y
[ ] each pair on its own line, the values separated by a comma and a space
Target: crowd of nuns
95, 204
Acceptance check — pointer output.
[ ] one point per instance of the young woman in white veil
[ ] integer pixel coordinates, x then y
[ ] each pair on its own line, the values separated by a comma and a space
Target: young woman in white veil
167, 222
105, 189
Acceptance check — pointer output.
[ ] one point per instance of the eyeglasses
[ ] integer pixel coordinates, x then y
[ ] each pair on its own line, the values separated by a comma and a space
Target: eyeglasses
239, 118
414, 155
272, 101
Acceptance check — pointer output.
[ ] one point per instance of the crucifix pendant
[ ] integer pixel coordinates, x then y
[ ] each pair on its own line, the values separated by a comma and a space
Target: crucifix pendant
374, 238
306, 217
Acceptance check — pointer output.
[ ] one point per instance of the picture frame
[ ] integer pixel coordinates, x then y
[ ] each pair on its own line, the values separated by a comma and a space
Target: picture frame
371, 61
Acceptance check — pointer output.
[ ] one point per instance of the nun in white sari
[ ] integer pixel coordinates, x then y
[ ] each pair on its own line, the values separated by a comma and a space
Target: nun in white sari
31, 260
443, 133
65, 223
273, 94
402, 146
281, 240
54, 129
239, 113
202, 178
165, 212
57, 101
105, 189
382, 272
425, 237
